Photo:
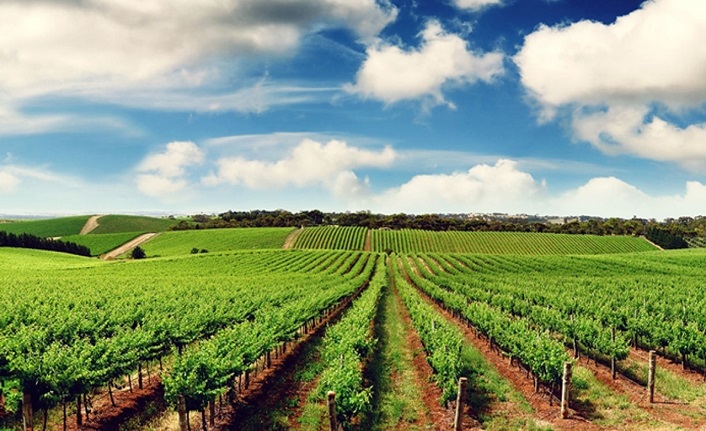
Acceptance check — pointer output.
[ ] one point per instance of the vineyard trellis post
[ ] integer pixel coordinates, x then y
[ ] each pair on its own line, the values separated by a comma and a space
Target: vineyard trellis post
460, 402
565, 388
651, 375
332, 410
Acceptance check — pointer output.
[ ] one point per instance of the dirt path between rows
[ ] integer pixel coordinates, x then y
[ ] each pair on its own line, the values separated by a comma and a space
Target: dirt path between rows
91, 224
368, 241
424, 375
128, 246
292, 238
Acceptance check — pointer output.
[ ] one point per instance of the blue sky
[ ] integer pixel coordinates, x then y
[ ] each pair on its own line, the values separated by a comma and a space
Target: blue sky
550, 107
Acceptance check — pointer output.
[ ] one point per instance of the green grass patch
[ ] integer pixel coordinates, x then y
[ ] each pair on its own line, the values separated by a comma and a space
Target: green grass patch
216, 240
396, 398
102, 243
673, 386
127, 223
600, 404
48, 228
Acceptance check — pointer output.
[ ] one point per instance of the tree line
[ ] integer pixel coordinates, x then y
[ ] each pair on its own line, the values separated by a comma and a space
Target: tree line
669, 233
25, 240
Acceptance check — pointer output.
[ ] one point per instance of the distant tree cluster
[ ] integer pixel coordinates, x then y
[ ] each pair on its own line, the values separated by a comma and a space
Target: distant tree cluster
665, 239
25, 240
683, 227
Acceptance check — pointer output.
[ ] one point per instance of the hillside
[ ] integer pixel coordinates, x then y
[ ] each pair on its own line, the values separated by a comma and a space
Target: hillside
216, 240
54, 227
423, 241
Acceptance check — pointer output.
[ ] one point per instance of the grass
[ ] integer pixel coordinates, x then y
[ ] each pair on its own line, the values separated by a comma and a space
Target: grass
126, 223
603, 406
48, 228
397, 398
672, 386
102, 243
216, 240
23, 259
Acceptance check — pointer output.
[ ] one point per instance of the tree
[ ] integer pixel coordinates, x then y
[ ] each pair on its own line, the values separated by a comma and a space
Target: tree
138, 253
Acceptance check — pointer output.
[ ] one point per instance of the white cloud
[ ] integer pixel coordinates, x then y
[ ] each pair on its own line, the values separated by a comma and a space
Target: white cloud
310, 163
162, 173
476, 5
97, 43
114, 50
13, 122
8, 182
483, 188
392, 74
610, 78
503, 187
654, 53
612, 197
624, 129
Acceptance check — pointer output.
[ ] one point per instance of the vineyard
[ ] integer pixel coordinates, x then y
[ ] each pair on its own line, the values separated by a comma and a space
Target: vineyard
216, 240
421, 241
332, 237
211, 333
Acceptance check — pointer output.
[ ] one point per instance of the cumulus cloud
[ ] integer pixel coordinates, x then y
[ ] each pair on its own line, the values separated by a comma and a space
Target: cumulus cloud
392, 74
610, 197
163, 173
504, 187
483, 188
611, 78
627, 129
476, 5
310, 163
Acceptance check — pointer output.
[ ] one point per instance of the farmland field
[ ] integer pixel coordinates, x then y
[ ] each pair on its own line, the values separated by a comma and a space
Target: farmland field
332, 237
224, 324
416, 241
102, 243
125, 223
216, 240
47, 228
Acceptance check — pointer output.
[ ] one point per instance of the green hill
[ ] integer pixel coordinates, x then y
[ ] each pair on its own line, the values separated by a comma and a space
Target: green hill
217, 240
102, 243
62, 226
127, 223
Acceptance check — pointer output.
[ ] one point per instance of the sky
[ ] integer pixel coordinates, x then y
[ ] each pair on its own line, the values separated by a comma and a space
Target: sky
547, 107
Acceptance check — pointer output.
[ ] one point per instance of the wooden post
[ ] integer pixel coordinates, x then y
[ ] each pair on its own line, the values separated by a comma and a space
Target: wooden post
651, 375
565, 388
139, 375
332, 410
212, 413
460, 402
27, 411
181, 408
612, 357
